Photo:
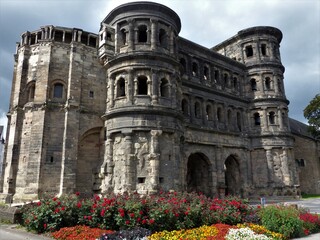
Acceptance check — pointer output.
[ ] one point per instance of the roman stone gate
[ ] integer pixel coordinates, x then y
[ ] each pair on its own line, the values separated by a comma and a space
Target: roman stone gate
199, 177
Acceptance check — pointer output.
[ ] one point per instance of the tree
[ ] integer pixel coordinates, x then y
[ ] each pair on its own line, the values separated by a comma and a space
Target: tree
312, 113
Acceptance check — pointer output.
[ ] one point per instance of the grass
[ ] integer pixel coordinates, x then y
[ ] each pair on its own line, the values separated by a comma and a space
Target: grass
310, 196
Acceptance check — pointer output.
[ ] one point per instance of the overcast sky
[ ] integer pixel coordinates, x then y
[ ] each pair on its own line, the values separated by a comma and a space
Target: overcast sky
206, 22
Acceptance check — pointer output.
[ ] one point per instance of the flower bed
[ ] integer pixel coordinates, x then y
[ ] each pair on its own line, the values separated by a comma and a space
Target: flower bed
180, 215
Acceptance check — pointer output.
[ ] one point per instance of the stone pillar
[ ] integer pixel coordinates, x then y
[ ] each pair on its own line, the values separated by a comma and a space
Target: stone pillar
154, 158
269, 158
192, 109
285, 167
220, 172
205, 115
111, 90
154, 31
129, 164
117, 39
131, 35
171, 41
106, 172
130, 86
265, 124
154, 87
280, 119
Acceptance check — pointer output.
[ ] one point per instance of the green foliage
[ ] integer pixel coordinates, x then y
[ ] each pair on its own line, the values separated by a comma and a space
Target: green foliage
165, 211
312, 113
282, 219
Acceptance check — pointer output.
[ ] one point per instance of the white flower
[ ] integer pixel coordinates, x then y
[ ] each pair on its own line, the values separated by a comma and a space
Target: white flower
245, 234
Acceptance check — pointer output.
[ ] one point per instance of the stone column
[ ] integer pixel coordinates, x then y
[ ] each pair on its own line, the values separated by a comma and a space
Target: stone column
131, 35
269, 158
171, 40
280, 119
129, 163
154, 31
111, 91
205, 115
106, 172
129, 85
285, 167
265, 124
117, 39
154, 158
154, 86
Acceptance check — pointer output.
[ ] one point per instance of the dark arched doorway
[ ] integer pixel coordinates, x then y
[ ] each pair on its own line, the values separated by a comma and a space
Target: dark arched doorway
89, 159
232, 176
198, 174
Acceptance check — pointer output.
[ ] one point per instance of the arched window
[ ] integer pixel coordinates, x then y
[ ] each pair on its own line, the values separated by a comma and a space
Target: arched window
31, 92
229, 117
58, 90
271, 117
235, 83
184, 65
239, 121
164, 88
121, 88
226, 79
123, 37
142, 34
197, 110
253, 83
194, 69
206, 73
257, 120
142, 85
185, 107
249, 51
163, 38
216, 76
219, 114
209, 112
267, 83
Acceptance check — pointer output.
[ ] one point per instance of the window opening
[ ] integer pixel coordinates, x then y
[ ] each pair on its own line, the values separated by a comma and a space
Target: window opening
91, 94
249, 51
33, 39
239, 121
92, 41
272, 118
123, 37
263, 49
141, 180
31, 93
58, 36
184, 65
142, 34
257, 120
58, 90
197, 110
68, 37
268, 83
142, 85
229, 117
235, 83
226, 79
253, 84
209, 112
84, 38
164, 88
121, 91
184, 107
206, 73
194, 69
109, 38
219, 114
216, 75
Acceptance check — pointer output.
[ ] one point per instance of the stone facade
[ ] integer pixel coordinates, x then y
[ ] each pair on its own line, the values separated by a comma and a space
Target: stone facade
136, 107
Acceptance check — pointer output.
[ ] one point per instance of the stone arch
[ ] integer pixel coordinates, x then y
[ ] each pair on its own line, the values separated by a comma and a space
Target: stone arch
198, 177
90, 157
232, 175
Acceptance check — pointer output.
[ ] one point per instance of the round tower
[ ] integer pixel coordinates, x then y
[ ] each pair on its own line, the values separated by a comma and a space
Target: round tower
138, 49
271, 140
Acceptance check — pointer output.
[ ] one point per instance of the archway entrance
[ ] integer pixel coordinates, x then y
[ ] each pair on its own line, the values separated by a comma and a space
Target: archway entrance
232, 176
89, 159
198, 174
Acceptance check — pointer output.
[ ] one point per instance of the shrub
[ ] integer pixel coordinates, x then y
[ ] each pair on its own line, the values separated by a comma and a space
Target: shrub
282, 219
310, 222
164, 211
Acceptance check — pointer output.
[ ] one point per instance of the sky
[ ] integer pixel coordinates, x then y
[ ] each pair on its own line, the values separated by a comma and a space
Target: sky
205, 22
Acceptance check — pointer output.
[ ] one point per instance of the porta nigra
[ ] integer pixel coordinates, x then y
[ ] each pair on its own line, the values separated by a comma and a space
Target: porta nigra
136, 107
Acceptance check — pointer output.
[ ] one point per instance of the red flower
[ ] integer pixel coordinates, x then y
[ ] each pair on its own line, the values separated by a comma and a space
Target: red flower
122, 214
57, 210
127, 222
102, 212
44, 225
131, 215
39, 203
77, 193
151, 221
55, 199
79, 205
63, 208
